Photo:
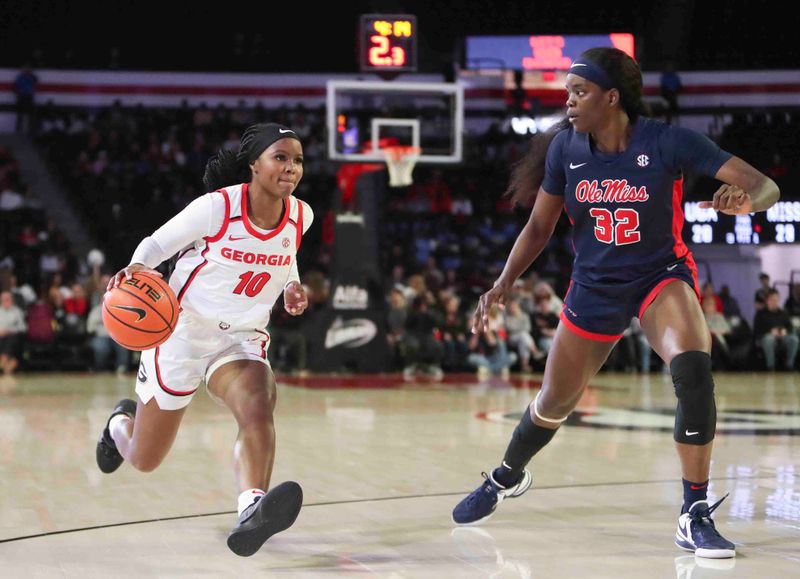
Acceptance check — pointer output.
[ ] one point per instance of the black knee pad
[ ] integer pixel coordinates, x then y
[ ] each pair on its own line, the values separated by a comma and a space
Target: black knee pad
696, 415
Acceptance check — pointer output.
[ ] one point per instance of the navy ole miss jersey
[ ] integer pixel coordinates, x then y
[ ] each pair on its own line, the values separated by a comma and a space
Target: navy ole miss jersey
626, 208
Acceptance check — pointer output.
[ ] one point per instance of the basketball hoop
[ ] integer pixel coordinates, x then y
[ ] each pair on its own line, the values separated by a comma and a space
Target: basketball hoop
400, 162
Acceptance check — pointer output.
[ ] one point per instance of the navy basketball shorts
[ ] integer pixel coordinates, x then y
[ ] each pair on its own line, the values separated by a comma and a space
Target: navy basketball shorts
604, 311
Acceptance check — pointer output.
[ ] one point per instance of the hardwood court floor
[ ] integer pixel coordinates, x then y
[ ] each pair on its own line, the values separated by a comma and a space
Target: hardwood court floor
382, 464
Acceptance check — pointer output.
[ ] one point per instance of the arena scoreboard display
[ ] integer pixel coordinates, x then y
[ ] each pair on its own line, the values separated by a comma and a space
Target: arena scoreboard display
388, 42
779, 224
547, 52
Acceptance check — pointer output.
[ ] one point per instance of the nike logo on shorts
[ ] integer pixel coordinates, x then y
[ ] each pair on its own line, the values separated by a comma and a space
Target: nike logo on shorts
671, 267
572, 166
281, 131
691, 433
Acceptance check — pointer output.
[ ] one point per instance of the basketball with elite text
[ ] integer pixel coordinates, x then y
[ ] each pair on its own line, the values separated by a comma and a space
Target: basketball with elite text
141, 312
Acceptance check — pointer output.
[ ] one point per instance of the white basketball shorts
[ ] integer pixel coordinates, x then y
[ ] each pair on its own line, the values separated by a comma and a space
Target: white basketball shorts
174, 371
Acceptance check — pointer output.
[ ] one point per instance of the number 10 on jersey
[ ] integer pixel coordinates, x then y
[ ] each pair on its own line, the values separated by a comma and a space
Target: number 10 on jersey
619, 228
251, 283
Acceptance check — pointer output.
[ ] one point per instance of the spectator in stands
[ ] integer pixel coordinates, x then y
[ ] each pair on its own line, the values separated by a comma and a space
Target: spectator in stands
518, 324
730, 307
545, 299
51, 262
289, 341
671, 88
11, 199
76, 310
55, 294
25, 91
637, 348
545, 320
792, 305
773, 331
488, 350
720, 331
418, 288
423, 350
433, 276
454, 334
23, 295
708, 295
12, 328
396, 325
761, 293
103, 345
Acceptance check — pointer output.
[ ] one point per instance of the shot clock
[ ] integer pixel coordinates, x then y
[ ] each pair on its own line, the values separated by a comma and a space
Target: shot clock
388, 43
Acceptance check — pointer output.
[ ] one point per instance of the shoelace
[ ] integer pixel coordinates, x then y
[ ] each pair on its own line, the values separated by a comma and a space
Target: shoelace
704, 516
485, 487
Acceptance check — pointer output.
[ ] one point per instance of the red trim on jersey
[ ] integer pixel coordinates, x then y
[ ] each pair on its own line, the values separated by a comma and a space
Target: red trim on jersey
161, 383
227, 219
679, 248
299, 225
654, 294
209, 241
263, 343
693, 267
586, 334
251, 229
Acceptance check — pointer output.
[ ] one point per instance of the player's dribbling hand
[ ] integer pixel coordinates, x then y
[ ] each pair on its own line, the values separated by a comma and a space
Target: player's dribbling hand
128, 272
295, 300
731, 200
480, 319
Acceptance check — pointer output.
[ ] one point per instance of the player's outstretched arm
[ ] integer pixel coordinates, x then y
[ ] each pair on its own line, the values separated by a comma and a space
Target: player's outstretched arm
746, 189
530, 243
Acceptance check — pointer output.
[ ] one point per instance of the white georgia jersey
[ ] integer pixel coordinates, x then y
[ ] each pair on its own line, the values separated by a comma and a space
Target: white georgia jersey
234, 272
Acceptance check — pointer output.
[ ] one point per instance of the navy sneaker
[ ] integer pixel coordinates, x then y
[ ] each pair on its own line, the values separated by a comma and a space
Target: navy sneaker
276, 511
481, 503
107, 455
696, 533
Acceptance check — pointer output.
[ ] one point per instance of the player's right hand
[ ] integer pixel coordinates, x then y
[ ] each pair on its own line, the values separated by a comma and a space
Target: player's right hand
497, 295
128, 272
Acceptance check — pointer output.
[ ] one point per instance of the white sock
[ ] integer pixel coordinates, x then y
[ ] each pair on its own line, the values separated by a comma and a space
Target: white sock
115, 420
247, 497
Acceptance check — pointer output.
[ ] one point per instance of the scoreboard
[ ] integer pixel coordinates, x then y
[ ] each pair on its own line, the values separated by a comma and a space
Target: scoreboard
779, 224
550, 52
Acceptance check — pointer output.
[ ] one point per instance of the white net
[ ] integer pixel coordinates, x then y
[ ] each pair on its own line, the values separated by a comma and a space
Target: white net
400, 161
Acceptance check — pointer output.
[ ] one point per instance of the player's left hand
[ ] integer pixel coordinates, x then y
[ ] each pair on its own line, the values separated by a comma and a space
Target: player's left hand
731, 200
295, 300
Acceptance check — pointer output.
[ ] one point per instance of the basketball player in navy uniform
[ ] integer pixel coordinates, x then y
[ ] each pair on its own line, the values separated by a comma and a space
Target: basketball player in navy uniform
619, 176
237, 249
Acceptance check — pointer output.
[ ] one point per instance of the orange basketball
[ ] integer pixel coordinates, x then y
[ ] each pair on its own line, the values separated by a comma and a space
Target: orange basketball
141, 312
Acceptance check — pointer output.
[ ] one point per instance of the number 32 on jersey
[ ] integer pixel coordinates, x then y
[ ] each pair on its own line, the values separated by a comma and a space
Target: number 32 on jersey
618, 228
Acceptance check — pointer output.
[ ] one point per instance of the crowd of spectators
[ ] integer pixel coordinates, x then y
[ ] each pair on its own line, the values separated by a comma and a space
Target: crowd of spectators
443, 241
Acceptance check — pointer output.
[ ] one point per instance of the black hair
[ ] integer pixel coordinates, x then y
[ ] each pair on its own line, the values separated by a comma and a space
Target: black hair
224, 169
528, 173
232, 167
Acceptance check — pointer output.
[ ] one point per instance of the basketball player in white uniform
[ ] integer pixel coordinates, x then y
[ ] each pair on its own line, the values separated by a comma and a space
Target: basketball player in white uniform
237, 250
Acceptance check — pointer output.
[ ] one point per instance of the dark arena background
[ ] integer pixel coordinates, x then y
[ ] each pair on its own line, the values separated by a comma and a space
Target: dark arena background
411, 116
